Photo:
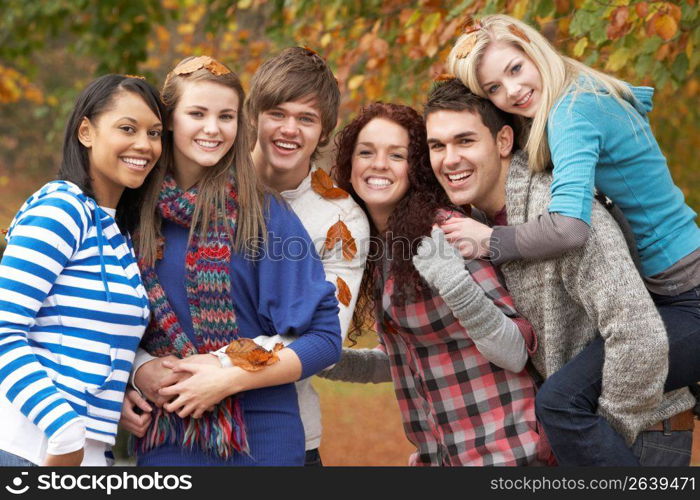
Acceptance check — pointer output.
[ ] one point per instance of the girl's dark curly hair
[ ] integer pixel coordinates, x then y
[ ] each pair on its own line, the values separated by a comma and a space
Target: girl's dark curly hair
412, 218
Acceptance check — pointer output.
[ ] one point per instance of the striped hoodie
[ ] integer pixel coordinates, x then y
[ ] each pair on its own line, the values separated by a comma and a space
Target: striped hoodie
72, 312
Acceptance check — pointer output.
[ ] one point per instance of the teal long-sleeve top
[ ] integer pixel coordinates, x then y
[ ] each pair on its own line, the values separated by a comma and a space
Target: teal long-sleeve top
598, 142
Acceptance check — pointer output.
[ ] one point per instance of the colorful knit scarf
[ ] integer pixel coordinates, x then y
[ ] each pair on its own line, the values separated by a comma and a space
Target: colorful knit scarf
208, 285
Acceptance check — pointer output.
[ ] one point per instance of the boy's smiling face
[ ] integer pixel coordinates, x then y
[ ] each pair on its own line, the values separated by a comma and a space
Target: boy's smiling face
288, 135
467, 159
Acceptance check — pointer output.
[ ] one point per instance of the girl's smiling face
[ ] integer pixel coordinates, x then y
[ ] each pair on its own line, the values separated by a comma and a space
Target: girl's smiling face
123, 145
204, 124
510, 79
380, 167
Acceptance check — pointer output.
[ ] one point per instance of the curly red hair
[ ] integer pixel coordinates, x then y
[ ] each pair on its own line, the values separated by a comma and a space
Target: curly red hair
413, 216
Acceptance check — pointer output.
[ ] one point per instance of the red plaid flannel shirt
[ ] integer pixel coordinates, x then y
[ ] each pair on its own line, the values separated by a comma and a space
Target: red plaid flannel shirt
457, 407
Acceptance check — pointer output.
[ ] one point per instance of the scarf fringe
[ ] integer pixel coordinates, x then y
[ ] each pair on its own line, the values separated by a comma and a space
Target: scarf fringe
220, 432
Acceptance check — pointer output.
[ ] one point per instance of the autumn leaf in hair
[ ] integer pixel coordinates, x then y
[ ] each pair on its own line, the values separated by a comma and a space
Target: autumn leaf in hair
217, 69
444, 77
313, 52
322, 183
192, 65
138, 77
464, 47
470, 25
206, 62
344, 294
518, 32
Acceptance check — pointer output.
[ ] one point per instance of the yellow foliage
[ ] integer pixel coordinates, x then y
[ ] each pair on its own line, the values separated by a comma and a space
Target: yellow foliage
185, 28
580, 47
355, 82
520, 9
431, 23
15, 86
325, 40
617, 59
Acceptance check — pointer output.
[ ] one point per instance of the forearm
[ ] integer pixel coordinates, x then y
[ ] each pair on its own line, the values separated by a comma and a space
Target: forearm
547, 235
287, 370
361, 366
141, 357
485, 323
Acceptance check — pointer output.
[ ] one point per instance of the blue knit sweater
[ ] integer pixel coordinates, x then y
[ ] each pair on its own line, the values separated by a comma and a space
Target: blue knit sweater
284, 292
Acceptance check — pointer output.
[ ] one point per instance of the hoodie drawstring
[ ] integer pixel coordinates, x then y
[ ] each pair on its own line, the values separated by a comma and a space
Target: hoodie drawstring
100, 244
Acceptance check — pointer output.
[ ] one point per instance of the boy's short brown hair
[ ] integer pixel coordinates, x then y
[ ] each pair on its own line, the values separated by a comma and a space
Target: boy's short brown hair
453, 95
294, 74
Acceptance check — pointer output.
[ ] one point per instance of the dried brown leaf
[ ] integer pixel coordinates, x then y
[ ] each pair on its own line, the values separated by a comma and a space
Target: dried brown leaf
518, 32
246, 354
344, 294
464, 47
322, 183
340, 232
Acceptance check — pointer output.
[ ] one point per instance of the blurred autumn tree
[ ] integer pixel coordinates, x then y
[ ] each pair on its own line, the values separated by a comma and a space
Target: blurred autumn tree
379, 49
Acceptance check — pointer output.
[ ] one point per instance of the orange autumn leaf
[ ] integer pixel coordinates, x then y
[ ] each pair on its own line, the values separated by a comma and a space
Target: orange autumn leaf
470, 25
322, 183
250, 356
465, 47
443, 77
217, 69
665, 26
518, 32
344, 295
340, 232
206, 62
642, 9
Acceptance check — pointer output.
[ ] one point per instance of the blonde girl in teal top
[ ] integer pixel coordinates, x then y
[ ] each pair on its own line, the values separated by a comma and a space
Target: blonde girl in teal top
593, 130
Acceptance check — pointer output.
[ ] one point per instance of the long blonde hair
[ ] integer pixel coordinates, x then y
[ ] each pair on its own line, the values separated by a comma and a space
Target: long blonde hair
212, 192
557, 72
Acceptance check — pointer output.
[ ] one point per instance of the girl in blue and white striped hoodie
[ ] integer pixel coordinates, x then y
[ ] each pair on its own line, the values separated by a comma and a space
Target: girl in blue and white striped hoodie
72, 305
